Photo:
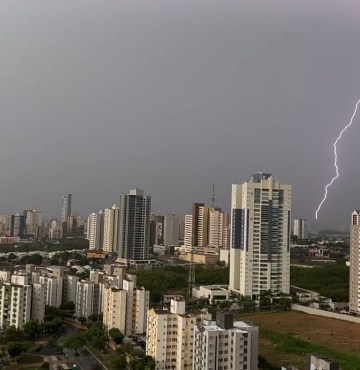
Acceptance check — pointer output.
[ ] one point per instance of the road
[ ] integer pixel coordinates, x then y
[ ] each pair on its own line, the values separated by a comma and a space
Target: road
84, 361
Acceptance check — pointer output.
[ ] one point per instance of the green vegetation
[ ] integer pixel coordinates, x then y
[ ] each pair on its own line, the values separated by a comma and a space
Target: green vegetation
174, 279
287, 343
64, 245
74, 342
14, 349
116, 335
330, 281
29, 359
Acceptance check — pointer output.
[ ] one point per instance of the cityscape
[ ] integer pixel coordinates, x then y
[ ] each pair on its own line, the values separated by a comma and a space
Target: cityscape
179, 185
88, 274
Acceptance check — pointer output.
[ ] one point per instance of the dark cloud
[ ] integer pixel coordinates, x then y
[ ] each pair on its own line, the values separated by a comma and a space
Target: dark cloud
171, 96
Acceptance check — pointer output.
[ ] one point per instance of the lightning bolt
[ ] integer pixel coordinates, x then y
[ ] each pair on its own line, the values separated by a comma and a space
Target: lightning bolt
336, 158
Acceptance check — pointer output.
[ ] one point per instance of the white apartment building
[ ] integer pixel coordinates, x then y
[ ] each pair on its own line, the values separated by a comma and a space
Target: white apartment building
87, 299
225, 345
301, 228
111, 229
260, 236
125, 307
95, 228
170, 335
15, 304
69, 288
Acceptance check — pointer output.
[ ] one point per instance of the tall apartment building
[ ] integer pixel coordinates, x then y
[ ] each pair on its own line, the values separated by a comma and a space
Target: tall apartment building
125, 307
65, 207
260, 236
33, 222
171, 229
225, 344
111, 229
205, 227
301, 228
354, 284
5, 225
15, 303
17, 225
156, 230
95, 229
69, 288
170, 335
134, 232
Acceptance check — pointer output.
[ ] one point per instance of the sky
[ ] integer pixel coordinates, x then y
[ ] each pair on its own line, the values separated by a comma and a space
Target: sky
98, 97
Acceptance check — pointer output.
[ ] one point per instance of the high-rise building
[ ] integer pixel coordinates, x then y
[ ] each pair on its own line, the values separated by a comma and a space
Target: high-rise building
171, 229
260, 237
225, 344
33, 222
205, 227
111, 229
17, 225
95, 229
156, 230
354, 284
65, 207
134, 232
301, 228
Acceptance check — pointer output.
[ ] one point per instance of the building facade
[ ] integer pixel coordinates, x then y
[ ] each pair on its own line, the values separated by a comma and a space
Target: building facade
134, 232
301, 228
354, 283
65, 207
224, 344
95, 229
260, 237
111, 229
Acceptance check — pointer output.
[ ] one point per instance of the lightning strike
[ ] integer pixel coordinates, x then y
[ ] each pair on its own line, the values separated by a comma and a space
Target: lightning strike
335, 161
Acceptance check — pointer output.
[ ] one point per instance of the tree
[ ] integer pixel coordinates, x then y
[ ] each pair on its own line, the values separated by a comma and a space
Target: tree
118, 362
32, 328
74, 342
14, 349
13, 334
116, 335
145, 363
68, 306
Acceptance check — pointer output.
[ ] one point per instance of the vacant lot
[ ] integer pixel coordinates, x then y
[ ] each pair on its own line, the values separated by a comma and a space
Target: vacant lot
337, 339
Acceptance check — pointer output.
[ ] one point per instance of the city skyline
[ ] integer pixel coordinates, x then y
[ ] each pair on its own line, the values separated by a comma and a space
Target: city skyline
173, 97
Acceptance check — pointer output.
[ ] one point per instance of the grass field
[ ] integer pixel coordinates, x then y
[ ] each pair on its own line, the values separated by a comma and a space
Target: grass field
286, 337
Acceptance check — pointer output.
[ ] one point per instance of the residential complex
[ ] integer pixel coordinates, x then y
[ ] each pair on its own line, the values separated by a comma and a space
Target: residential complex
260, 237
301, 228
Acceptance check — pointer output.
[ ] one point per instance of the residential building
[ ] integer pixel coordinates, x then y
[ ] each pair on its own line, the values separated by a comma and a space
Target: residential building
354, 284
33, 222
170, 335
111, 229
260, 237
65, 207
95, 229
156, 230
134, 232
17, 225
301, 228
87, 301
15, 304
125, 306
69, 288
315, 362
171, 229
225, 344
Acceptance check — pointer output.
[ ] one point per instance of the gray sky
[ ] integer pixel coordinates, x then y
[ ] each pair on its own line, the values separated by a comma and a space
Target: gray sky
97, 97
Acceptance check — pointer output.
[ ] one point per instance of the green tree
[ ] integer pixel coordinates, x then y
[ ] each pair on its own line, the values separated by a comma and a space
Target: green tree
118, 362
116, 335
68, 306
14, 349
145, 363
13, 334
32, 328
74, 342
